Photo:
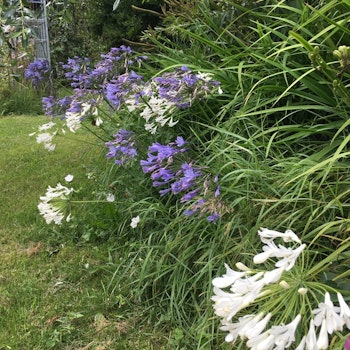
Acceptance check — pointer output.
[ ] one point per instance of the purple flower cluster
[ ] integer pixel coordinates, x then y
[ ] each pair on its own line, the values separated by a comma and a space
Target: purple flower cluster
181, 87
124, 87
115, 62
37, 71
77, 70
209, 203
110, 79
83, 75
123, 147
54, 107
181, 178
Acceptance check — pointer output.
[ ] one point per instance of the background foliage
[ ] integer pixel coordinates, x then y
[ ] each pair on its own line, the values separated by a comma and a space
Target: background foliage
88, 28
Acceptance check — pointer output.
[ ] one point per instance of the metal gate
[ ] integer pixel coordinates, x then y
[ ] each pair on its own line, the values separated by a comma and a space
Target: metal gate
40, 29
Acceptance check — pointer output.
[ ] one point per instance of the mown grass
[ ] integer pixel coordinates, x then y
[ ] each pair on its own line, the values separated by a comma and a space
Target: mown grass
52, 289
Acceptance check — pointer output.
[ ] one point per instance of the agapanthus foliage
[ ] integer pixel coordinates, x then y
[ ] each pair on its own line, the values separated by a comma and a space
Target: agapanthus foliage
37, 71
248, 300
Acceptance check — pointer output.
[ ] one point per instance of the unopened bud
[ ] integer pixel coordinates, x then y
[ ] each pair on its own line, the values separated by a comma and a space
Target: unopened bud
284, 285
242, 267
302, 291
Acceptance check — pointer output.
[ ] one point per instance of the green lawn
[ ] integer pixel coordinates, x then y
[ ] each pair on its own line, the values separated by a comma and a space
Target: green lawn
53, 290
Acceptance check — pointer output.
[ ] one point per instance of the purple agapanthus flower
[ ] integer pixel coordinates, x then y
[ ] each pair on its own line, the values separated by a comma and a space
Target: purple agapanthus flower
123, 148
37, 71
184, 178
49, 104
77, 71
124, 87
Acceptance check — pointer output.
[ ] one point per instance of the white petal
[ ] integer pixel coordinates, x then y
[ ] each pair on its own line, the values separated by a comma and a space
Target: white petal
301, 345
344, 310
322, 341
262, 257
311, 337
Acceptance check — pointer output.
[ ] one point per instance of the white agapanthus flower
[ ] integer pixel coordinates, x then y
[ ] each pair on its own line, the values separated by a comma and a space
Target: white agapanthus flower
69, 178
273, 276
74, 119
256, 326
247, 287
226, 305
302, 291
287, 256
277, 337
302, 343
110, 197
46, 139
46, 126
235, 330
243, 291
228, 278
264, 341
285, 334
50, 213
135, 221
322, 342
248, 326
267, 235
330, 313
98, 121
311, 340
51, 203
204, 76
158, 112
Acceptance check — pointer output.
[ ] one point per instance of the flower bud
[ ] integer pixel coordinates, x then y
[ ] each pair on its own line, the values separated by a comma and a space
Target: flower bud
284, 284
302, 291
242, 267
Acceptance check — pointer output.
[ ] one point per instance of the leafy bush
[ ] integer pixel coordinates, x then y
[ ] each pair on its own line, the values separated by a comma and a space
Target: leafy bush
87, 28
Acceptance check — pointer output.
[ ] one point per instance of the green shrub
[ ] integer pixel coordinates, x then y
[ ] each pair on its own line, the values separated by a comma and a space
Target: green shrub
20, 99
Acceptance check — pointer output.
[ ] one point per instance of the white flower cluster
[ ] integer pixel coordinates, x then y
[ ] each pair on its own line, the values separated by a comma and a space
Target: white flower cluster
329, 319
135, 221
51, 203
74, 119
246, 286
46, 137
158, 112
